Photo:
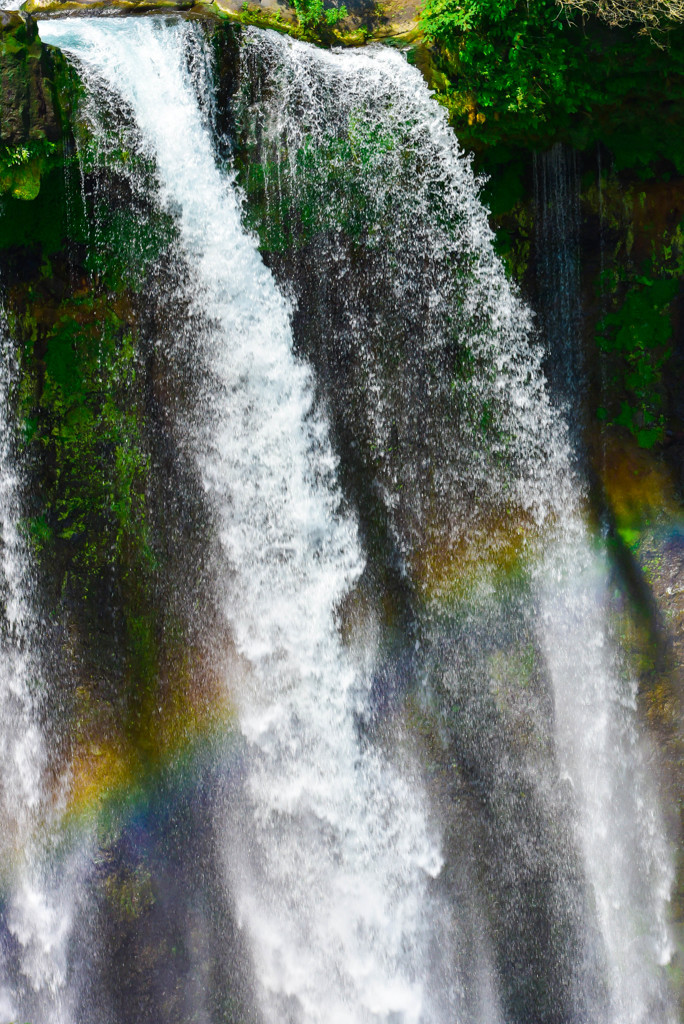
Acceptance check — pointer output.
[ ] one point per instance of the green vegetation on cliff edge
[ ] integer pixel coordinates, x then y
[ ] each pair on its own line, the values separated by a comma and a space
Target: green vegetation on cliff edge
528, 74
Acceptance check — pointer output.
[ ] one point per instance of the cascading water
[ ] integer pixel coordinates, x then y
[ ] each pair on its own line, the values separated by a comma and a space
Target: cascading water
595, 700
35, 911
556, 193
358, 165
333, 884
353, 911
600, 753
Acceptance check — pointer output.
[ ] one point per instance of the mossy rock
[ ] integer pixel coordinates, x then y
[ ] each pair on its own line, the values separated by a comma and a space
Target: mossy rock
45, 7
23, 182
29, 110
36, 88
365, 21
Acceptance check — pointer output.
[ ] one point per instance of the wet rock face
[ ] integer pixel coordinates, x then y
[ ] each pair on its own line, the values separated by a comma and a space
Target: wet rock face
29, 110
163, 944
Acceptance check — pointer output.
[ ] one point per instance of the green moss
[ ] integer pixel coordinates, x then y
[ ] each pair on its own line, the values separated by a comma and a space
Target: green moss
73, 309
39, 224
130, 893
80, 426
22, 166
35, 93
637, 337
291, 214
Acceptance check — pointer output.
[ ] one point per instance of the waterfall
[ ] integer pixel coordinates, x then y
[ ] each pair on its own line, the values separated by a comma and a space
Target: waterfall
35, 919
428, 386
595, 699
355, 161
335, 860
604, 760
443, 393
556, 193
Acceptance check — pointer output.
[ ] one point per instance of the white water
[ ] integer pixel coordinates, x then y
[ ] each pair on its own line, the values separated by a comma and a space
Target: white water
600, 749
38, 910
311, 98
333, 887
381, 162
332, 856
627, 860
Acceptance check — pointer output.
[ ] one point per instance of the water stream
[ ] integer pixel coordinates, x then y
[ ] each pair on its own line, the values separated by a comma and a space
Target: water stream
336, 854
509, 865
38, 909
354, 143
557, 249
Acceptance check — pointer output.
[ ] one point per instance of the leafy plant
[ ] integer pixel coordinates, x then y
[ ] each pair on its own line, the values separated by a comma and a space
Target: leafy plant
508, 58
637, 337
523, 72
22, 166
313, 13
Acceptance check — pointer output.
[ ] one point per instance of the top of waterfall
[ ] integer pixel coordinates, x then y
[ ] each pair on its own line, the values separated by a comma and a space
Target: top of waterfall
399, 20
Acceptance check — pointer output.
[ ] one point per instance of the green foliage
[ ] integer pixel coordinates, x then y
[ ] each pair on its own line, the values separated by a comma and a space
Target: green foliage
636, 338
639, 294
510, 60
22, 166
313, 13
78, 382
520, 71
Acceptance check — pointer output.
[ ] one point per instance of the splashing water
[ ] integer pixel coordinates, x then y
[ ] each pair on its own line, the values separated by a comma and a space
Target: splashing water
333, 886
39, 905
21, 747
440, 387
455, 424
620, 832
331, 854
